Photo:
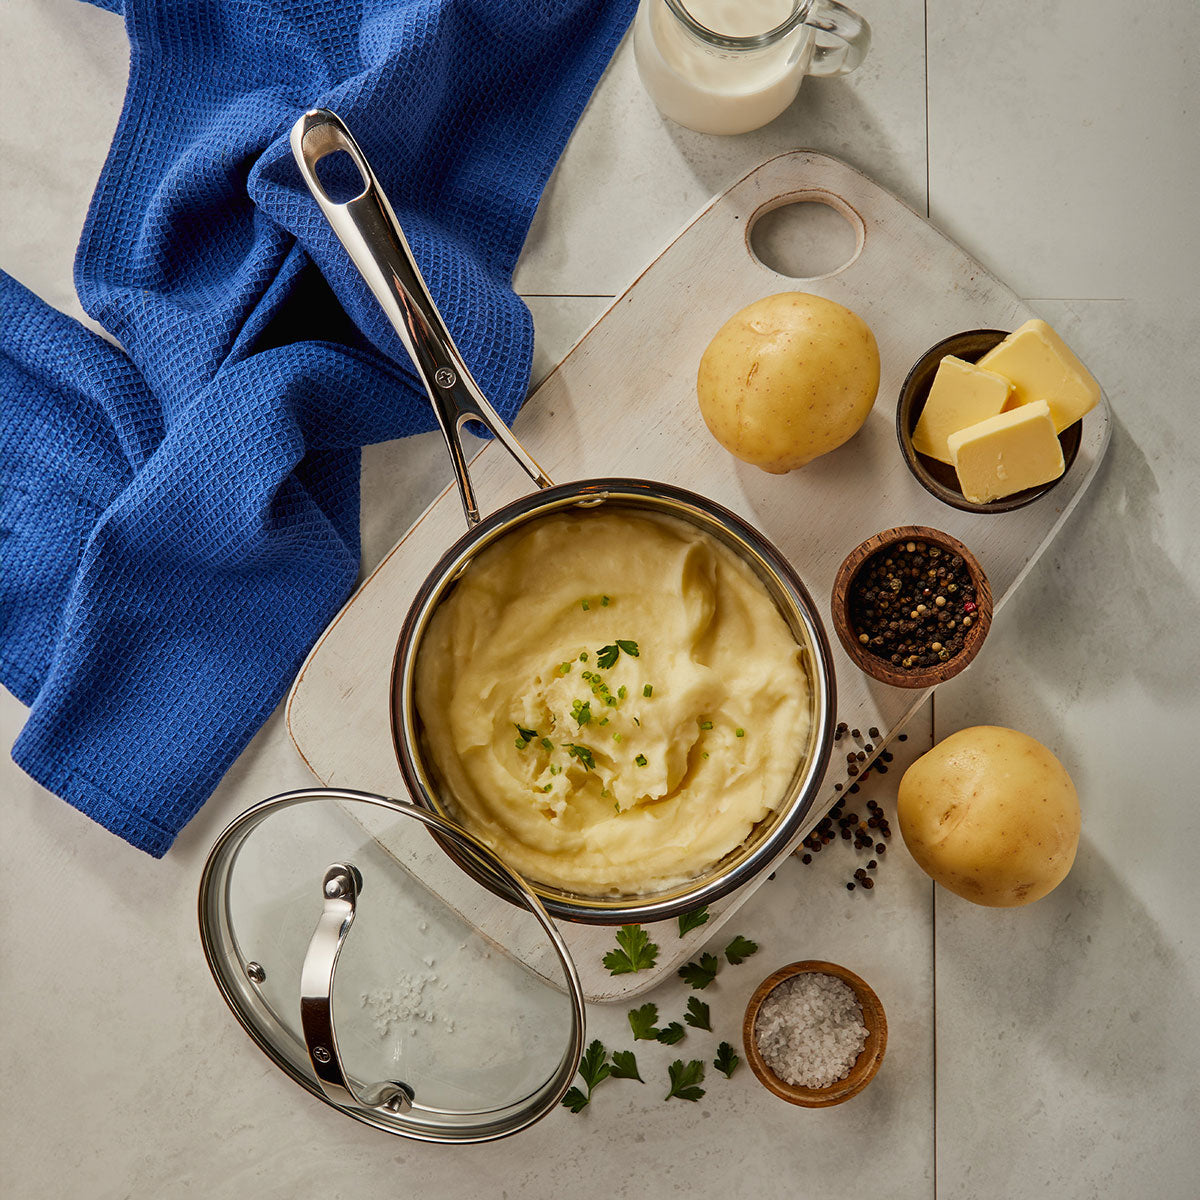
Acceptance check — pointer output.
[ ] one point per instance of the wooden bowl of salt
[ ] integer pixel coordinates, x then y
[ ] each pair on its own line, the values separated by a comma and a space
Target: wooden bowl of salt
804, 1032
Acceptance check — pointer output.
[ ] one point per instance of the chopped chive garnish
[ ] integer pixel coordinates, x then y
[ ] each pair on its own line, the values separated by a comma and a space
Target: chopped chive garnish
739, 732
547, 787
564, 668
637, 722
705, 724
603, 720
640, 760
605, 794
705, 754
617, 736
547, 743
604, 601
585, 605
555, 769
611, 701
648, 691
621, 692
521, 743
528, 734
583, 657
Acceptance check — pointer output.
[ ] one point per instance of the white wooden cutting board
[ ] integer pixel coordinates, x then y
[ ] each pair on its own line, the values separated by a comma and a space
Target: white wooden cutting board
623, 403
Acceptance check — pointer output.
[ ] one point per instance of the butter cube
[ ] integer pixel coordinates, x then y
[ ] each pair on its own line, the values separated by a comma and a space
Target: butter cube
962, 394
1008, 453
1042, 367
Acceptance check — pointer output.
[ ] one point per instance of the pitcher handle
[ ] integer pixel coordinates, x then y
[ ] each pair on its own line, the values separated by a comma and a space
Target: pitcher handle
848, 42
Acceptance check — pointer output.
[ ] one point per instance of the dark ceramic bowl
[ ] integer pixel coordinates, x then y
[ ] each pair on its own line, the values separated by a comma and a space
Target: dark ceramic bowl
938, 478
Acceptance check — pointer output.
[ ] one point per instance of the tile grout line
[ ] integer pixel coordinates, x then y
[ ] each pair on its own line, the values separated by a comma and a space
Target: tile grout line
933, 963
933, 695
925, 10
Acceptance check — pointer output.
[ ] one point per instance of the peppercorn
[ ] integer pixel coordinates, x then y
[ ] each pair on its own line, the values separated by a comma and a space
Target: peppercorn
806, 858
905, 639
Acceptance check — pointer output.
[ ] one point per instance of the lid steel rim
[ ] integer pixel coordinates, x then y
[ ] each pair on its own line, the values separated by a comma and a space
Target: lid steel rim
260, 1022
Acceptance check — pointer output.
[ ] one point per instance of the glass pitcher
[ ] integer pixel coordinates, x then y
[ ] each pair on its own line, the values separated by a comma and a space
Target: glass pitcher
729, 66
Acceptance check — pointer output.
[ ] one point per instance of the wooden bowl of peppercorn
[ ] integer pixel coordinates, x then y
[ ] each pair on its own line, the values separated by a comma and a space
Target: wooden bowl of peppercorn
911, 606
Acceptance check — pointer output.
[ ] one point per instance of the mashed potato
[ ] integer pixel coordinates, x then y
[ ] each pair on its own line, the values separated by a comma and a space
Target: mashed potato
611, 701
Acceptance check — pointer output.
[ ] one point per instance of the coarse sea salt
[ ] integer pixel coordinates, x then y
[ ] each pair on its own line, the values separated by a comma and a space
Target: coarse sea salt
810, 1030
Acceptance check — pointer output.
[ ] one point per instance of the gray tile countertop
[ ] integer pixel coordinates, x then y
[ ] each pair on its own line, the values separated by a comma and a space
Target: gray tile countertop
1045, 1051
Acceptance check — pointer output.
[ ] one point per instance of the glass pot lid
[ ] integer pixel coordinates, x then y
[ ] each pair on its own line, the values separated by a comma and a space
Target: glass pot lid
406, 992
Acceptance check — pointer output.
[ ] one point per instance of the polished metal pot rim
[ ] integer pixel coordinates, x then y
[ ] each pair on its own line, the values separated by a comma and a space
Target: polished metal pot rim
371, 234
790, 596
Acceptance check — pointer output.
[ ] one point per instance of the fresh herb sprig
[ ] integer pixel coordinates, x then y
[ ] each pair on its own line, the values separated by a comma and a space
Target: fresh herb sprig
624, 1066
594, 1069
726, 1061
670, 1034
701, 973
581, 754
698, 1015
644, 1022
685, 1080
607, 656
693, 920
740, 949
637, 952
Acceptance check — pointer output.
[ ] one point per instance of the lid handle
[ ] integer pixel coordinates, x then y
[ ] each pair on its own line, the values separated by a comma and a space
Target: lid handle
340, 888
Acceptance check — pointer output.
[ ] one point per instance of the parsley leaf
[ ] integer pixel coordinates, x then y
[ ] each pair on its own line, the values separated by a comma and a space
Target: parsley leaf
606, 656
700, 974
630, 648
643, 1022
685, 1080
670, 1034
527, 734
740, 949
692, 920
582, 712
593, 1070
624, 1066
726, 1061
593, 1067
583, 754
637, 952
698, 1016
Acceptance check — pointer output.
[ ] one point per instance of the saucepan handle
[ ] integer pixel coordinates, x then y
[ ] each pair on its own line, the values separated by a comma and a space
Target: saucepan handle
367, 227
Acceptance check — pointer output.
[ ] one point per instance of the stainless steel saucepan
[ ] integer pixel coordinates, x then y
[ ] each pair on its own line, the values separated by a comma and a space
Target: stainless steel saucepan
367, 227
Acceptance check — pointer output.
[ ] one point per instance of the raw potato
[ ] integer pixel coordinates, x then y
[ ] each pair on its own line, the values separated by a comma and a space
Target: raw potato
787, 379
992, 815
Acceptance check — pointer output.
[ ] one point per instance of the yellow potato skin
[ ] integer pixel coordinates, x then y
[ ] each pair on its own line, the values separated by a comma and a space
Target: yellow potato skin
788, 378
992, 815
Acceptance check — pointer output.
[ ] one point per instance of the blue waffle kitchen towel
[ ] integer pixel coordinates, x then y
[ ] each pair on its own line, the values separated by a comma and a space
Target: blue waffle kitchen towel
179, 519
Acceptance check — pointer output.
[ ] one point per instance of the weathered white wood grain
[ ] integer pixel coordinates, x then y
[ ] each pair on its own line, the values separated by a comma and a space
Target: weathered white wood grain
623, 403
